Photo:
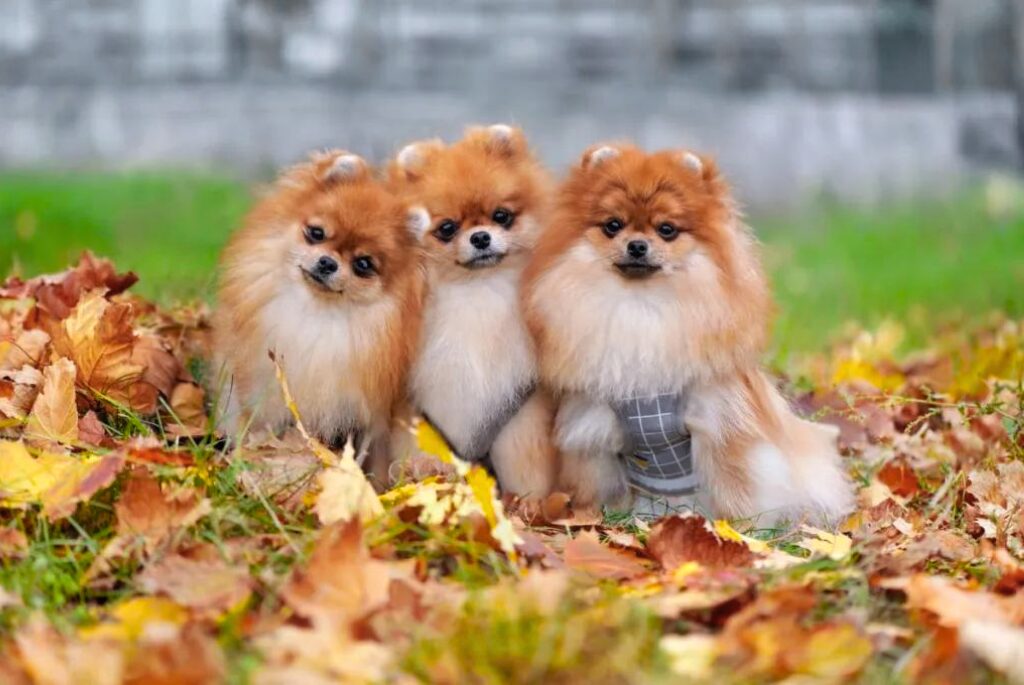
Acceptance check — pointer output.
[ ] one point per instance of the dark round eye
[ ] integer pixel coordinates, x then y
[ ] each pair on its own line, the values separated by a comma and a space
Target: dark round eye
315, 234
364, 266
446, 230
503, 217
612, 226
668, 231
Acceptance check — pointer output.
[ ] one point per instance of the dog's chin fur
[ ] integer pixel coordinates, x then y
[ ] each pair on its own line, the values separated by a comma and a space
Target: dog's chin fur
475, 353
344, 345
698, 324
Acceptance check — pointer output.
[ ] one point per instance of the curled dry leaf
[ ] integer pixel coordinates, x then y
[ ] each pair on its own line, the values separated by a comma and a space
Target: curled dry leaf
675, 540
57, 294
18, 390
27, 349
91, 431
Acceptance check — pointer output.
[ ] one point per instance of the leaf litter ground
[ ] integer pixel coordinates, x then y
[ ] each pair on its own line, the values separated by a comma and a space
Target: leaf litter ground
137, 546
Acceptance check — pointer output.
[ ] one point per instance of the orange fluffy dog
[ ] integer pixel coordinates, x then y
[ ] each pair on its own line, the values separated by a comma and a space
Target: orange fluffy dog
325, 274
650, 310
475, 372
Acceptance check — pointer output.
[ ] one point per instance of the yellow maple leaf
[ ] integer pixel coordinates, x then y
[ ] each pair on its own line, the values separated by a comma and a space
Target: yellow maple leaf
57, 481
54, 416
834, 546
128, 619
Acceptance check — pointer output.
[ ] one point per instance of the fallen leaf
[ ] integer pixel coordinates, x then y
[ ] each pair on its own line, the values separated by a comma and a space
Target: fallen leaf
188, 655
90, 430
900, 479
128, 619
57, 481
675, 540
954, 606
153, 513
50, 659
586, 553
341, 581
835, 546
13, 543
998, 645
690, 656
54, 416
209, 586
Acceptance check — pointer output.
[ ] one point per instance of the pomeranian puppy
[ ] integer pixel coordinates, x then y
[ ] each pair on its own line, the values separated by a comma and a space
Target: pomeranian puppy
647, 300
326, 275
475, 375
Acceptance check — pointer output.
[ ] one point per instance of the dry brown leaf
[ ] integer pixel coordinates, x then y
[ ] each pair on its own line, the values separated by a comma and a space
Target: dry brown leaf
341, 582
154, 513
98, 337
675, 540
91, 431
188, 655
27, 349
587, 553
18, 390
900, 479
54, 416
953, 605
50, 659
80, 484
209, 586
13, 543
159, 376
188, 404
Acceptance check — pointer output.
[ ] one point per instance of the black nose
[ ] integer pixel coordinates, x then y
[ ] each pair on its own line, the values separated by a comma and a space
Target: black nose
326, 266
637, 248
480, 240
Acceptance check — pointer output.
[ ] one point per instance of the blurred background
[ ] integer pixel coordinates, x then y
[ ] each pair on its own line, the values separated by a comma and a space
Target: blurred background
876, 144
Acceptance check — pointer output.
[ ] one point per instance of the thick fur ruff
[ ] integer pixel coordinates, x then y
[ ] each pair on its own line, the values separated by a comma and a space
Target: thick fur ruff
689, 315
346, 343
475, 353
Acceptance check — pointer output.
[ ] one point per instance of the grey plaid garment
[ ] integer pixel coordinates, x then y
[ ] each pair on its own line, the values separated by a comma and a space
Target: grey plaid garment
658, 453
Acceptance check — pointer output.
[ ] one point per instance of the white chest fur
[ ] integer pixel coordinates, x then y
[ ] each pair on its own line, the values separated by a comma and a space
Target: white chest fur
475, 352
615, 338
321, 346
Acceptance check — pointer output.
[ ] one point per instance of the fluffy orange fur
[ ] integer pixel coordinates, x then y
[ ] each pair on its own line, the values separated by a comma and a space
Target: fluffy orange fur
690, 315
475, 353
345, 339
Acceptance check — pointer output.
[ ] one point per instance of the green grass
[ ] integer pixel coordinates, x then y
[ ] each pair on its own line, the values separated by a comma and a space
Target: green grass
921, 263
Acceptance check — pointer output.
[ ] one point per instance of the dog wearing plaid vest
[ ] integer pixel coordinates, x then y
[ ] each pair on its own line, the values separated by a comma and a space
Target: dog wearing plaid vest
474, 376
650, 310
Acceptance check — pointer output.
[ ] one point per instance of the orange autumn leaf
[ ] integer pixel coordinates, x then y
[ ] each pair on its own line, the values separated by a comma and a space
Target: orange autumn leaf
587, 553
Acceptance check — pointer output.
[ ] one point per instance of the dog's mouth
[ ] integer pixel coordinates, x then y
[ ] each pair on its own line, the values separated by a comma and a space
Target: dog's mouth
317, 281
637, 270
482, 261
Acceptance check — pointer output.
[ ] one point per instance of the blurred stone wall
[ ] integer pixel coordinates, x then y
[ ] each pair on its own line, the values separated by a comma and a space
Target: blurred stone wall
859, 99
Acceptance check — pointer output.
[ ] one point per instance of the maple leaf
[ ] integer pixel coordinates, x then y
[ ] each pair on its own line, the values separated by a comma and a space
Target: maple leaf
345, 494
675, 540
341, 581
586, 553
91, 431
153, 513
25, 350
57, 481
54, 416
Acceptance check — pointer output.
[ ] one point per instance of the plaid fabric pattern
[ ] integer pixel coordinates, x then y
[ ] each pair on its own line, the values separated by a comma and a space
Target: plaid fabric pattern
658, 455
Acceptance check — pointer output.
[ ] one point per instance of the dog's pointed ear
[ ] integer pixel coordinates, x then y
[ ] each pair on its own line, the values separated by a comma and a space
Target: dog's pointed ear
344, 167
596, 155
411, 159
325, 167
698, 164
499, 139
417, 221
692, 162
